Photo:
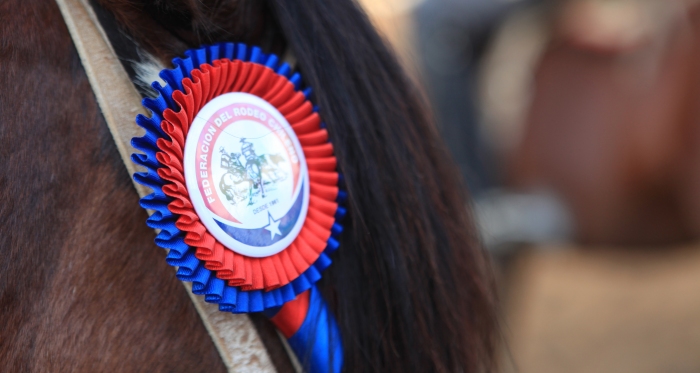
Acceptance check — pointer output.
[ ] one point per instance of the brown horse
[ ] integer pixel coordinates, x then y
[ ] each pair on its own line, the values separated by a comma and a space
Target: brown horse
84, 288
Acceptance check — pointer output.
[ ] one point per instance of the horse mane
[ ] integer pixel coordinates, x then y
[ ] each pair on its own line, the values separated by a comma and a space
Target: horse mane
411, 287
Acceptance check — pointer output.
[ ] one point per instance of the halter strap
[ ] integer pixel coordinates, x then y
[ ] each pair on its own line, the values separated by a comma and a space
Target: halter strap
234, 335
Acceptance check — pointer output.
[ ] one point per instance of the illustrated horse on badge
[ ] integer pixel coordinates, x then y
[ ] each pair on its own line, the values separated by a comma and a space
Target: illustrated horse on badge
235, 183
243, 181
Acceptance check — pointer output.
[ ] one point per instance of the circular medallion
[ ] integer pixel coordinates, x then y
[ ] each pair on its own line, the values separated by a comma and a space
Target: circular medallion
246, 193
246, 174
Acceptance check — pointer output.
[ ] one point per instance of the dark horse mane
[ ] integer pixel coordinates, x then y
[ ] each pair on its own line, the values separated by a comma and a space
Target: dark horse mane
83, 287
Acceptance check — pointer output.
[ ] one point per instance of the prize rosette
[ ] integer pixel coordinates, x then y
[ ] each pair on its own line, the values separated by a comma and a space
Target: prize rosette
246, 194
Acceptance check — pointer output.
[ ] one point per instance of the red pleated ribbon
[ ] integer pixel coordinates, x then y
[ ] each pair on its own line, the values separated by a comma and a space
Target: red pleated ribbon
248, 273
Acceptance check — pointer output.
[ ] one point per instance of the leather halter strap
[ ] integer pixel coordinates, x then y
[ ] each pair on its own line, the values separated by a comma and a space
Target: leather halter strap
234, 335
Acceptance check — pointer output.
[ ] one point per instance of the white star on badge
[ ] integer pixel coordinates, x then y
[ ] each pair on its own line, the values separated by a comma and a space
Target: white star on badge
272, 226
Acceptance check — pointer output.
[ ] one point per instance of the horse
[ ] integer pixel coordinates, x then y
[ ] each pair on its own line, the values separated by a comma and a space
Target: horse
270, 169
84, 288
234, 186
235, 182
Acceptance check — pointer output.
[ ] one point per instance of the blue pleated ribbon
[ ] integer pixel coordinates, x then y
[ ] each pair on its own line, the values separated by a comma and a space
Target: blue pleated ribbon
317, 343
181, 255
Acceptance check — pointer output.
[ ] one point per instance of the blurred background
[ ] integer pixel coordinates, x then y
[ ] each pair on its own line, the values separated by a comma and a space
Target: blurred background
576, 126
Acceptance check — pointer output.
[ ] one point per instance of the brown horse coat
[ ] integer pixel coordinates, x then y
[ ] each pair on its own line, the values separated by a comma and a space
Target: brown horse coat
82, 285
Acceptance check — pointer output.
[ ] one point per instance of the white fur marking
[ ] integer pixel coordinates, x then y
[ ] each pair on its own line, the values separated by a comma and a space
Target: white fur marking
147, 70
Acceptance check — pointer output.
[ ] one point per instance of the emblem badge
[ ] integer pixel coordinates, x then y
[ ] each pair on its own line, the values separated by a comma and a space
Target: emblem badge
246, 174
246, 196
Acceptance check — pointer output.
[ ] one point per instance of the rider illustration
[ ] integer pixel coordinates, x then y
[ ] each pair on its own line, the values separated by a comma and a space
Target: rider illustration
252, 166
249, 174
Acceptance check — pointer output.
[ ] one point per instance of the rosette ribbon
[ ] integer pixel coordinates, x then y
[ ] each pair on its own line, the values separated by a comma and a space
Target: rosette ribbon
282, 284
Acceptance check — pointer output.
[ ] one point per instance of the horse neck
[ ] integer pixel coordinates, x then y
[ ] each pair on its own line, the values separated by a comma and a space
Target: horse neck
84, 288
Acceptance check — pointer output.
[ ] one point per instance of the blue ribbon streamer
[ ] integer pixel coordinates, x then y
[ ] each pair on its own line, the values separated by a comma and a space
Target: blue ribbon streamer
317, 343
